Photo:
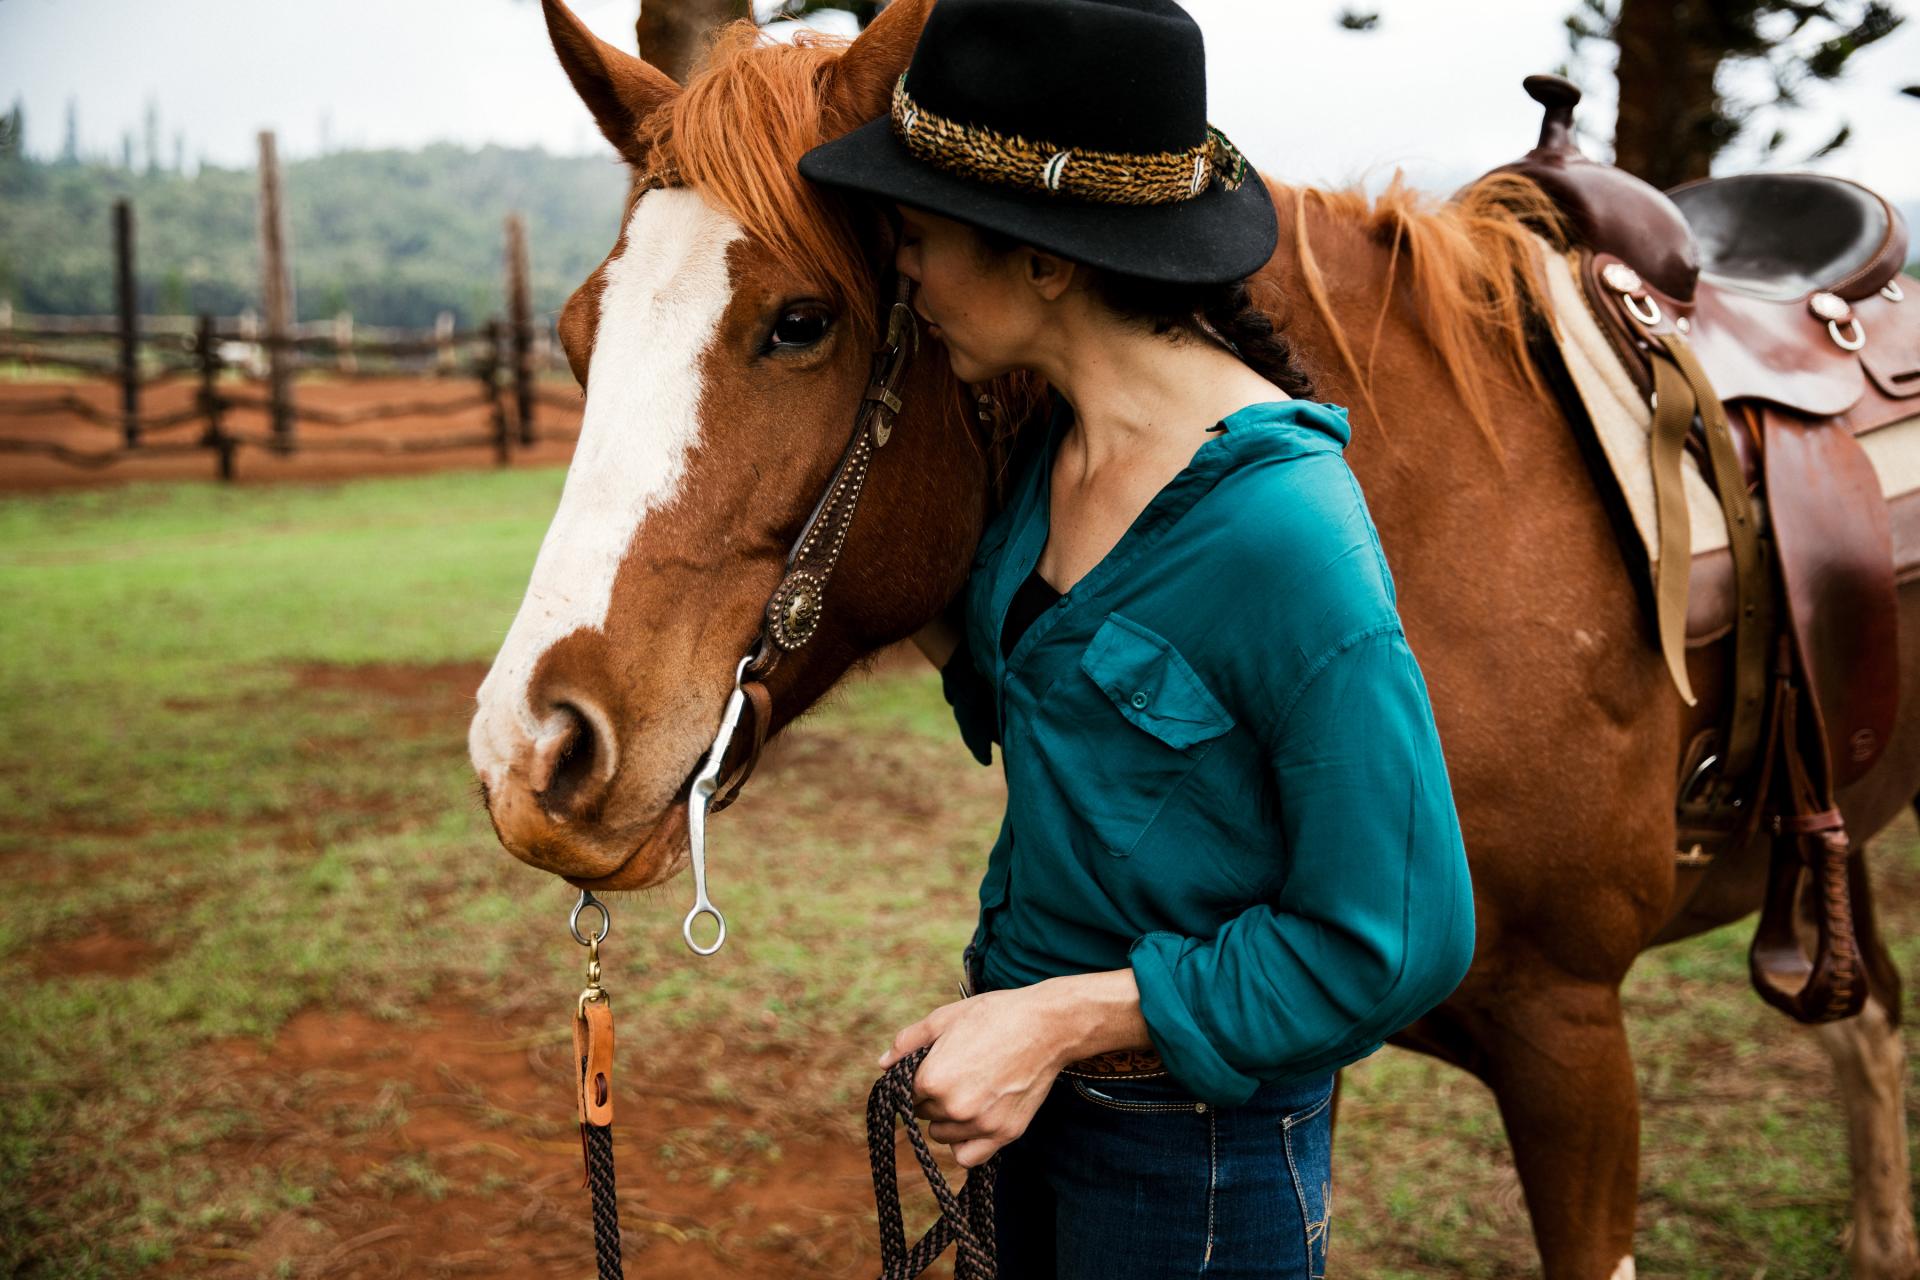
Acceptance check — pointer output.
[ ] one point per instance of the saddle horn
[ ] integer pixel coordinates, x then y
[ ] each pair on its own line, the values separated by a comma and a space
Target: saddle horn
1559, 96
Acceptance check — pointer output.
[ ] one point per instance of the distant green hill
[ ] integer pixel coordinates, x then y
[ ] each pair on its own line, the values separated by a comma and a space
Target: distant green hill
392, 236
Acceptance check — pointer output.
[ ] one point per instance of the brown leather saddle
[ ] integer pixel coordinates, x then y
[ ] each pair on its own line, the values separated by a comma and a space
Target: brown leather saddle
1766, 319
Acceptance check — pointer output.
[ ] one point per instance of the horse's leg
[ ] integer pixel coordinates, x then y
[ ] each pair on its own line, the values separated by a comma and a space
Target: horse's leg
1869, 1062
1870, 1067
1556, 1058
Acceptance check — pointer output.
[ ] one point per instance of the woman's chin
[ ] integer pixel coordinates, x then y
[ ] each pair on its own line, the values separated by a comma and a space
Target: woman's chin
965, 368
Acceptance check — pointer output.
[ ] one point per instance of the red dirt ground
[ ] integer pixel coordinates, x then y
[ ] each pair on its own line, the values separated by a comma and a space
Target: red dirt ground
374, 1114
31, 472
445, 1145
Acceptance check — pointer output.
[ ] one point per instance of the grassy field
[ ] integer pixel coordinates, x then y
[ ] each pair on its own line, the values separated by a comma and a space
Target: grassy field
279, 1005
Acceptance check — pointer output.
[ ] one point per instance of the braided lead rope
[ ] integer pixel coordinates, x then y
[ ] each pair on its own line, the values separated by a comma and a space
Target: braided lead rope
606, 1207
966, 1219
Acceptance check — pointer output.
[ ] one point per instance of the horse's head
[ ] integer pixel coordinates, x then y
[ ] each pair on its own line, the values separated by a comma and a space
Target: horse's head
724, 346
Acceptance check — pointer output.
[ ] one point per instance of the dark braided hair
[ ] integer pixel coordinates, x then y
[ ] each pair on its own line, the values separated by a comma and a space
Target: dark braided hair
1225, 312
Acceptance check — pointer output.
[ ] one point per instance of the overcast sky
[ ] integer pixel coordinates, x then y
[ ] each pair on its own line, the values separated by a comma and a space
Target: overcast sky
1435, 89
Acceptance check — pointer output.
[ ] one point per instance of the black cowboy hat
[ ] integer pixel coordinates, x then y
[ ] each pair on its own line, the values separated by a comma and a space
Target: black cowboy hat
1076, 126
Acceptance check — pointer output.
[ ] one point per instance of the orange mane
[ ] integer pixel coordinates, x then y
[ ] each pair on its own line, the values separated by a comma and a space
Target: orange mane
1474, 275
736, 134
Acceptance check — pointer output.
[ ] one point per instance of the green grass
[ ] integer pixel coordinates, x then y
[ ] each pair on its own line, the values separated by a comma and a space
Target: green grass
173, 779
166, 777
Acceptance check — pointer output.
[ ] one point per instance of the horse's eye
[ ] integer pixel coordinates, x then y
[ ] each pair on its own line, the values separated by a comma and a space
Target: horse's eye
800, 327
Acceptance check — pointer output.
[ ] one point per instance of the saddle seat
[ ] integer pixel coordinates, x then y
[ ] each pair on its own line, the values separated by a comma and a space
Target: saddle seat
1782, 236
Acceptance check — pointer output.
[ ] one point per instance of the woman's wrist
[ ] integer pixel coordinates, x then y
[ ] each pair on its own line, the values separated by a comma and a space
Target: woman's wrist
1096, 1013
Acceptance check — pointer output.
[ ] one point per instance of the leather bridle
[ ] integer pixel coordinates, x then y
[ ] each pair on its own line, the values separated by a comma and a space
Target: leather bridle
793, 612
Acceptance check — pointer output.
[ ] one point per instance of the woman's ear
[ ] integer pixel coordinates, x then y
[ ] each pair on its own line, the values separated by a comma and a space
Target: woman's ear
619, 88
1049, 274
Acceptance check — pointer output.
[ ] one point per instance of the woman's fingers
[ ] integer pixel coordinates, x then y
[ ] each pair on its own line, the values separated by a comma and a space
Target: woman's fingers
952, 1131
910, 1038
932, 1109
975, 1151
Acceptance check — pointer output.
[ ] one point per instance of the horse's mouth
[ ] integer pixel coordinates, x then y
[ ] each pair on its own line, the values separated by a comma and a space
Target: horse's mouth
657, 857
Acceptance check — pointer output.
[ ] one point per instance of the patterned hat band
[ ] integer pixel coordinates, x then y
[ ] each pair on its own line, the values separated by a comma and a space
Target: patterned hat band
1107, 177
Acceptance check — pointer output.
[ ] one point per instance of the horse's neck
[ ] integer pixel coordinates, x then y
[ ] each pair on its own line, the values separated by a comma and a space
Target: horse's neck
1496, 503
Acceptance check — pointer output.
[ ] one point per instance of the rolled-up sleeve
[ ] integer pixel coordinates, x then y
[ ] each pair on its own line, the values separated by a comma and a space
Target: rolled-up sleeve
970, 694
1373, 922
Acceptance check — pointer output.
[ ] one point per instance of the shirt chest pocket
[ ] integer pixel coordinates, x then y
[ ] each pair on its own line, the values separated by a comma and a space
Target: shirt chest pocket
1119, 736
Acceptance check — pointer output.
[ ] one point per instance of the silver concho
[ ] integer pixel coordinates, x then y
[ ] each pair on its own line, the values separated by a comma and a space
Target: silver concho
794, 611
1620, 277
1829, 306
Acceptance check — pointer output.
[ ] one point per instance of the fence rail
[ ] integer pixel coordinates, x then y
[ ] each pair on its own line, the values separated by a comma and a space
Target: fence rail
217, 350
138, 352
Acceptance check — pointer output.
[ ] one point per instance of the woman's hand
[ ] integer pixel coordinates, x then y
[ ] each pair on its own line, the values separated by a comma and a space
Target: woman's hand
995, 1055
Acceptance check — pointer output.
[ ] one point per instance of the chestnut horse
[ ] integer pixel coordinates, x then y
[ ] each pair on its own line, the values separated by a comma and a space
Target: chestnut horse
724, 345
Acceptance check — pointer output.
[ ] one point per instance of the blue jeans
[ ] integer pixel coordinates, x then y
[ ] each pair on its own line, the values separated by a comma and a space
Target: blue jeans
1122, 1178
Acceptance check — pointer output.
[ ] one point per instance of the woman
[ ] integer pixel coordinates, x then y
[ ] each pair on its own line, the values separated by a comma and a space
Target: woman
1230, 862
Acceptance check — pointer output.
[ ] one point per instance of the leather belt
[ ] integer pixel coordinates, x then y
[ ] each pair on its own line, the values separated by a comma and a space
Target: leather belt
1118, 1062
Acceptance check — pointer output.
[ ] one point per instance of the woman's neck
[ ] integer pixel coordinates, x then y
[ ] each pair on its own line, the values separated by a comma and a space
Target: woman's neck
1134, 393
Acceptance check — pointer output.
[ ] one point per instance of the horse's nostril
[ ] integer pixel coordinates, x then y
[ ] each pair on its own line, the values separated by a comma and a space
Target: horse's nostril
567, 760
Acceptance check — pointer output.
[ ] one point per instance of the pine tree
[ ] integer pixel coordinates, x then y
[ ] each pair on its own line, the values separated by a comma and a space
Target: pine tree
13, 132
1674, 117
153, 136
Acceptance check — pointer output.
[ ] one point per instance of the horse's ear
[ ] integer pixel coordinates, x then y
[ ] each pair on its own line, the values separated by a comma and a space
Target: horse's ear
619, 88
862, 86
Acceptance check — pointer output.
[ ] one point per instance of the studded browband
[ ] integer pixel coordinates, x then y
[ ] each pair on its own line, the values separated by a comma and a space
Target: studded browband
1106, 177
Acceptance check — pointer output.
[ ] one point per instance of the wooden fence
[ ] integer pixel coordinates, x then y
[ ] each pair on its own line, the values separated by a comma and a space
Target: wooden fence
227, 359
503, 359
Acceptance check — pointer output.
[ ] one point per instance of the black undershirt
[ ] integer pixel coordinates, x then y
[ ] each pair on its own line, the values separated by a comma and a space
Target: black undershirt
1034, 597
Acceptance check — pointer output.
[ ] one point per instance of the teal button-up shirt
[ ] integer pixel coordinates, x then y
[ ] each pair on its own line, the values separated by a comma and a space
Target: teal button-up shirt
1222, 765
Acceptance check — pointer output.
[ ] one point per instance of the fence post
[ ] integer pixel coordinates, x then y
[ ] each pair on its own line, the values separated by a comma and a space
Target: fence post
276, 294
207, 347
490, 381
520, 306
249, 330
443, 343
344, 358
129, 320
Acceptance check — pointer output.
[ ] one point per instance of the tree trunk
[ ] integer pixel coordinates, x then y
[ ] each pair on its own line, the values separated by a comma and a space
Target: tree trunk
1669, 127
674, 34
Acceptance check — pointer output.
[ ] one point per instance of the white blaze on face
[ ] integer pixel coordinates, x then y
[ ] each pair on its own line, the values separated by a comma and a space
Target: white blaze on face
661, 304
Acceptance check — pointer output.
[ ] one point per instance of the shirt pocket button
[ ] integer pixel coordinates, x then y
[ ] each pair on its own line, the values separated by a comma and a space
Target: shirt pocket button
1139, 700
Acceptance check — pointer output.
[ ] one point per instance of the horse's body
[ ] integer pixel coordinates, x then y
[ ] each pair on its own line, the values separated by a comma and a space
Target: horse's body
1562, 729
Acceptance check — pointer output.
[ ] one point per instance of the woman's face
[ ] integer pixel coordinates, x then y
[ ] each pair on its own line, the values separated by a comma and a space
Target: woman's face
979, 305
